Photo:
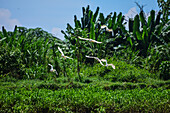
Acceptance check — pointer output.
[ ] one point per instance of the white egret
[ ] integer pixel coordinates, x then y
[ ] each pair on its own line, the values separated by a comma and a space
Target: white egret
62, 54
52, 70
104, 60
96, 59
90, 40
107, 29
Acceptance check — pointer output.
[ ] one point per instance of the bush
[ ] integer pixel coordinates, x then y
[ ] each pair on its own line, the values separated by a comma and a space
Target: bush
11, 63
124, 72
165, 70
24, 52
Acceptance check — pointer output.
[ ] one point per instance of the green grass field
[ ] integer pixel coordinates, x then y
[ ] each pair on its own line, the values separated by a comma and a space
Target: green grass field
95, 93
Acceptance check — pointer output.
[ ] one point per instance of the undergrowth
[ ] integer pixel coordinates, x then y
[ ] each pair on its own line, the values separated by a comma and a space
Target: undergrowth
88, 99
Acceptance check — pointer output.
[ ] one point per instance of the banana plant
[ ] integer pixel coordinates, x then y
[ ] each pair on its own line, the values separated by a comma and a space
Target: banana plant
116, 38
27, 47
90, 27
142, 35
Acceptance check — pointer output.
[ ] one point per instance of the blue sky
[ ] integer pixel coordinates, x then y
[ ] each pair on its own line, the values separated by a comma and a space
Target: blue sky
53, 15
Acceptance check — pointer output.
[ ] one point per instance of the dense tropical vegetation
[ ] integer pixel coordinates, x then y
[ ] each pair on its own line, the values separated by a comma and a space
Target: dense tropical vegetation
140, 53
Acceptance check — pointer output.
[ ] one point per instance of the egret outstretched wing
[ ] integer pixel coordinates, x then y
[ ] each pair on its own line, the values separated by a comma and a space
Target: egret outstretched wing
104, 60
103, 26
67, 57
90, 40
50, 66
99, 61
62, 54
83, 38
107, 29
95, 41
96, 59
52, 70
113, 66
89, 56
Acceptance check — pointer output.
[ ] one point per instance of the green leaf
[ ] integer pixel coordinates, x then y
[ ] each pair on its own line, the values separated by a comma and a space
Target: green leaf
151, 18
2, 39
65, 35
92, 33
119, 17
83, 10
138, 35
75, 21
158, 18
4, 32
110, 23
96, 14
102, 19
149, 21
142, 18
114, 19
131, 25
108, 17
130, 41
136, 25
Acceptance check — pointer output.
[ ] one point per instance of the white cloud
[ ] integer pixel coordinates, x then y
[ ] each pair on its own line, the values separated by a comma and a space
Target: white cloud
6, 20
57, 32
131, 14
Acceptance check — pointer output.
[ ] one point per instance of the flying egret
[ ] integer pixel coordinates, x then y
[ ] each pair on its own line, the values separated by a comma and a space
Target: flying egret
103, 26
52, 70
104, 60
107, 29
62, 54
90, 40
96, 59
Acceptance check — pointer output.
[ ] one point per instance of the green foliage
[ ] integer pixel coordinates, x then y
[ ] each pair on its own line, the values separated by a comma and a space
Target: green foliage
143, 37
140, 55
11, 63
165, 8
90, 27
24, 52
124, 72
165, 70
87, 99
135, 46
157, 55
162, 32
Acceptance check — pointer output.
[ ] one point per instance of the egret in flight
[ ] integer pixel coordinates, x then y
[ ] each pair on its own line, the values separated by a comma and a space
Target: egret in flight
104, 60
52, 70
62, 54
107, 29
101, 61
90, 40
96, 59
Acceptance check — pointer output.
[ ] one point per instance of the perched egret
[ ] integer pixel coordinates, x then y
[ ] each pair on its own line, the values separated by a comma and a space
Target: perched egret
96, 59
90, 40
104, 60
62, 54
52, 70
